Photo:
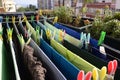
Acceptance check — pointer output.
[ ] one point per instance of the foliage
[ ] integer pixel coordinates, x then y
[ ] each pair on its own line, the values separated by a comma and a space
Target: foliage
112, 28
29, 8
117, 15
64, 14
110, 23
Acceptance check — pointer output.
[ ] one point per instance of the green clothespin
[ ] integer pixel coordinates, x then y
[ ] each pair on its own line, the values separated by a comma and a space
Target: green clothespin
1, 32
32, 18
21, 40
38, 35
7, 18
102, 37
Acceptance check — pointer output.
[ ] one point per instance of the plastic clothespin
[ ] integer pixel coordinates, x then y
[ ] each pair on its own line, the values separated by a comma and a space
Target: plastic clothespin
40, 12
88, 38
60, 38
81, 75
24, 18
9, 33
41, 33
32, 18
21, 40
1, 18
88, 75
55, 20
102, 37
48, 33
37, 35
95, 74
54, 33
7, 18
13, 19
1, 32
103, 73
87, 41
37, 17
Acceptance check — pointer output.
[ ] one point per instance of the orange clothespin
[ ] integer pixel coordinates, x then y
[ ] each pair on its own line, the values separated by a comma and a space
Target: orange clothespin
37, 17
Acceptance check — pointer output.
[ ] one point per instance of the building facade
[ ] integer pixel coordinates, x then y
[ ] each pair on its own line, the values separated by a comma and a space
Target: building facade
45, 4
9, 5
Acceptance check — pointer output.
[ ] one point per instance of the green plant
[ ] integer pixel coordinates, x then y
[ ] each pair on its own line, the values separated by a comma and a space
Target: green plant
112, 28
64, 14
116, 15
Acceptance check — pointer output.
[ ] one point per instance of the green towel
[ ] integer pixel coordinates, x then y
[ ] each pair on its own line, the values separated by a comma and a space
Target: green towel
73, 58
67, 37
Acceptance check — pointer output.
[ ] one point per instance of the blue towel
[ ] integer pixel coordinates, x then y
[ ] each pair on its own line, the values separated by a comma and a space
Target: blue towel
67, 69
93, 42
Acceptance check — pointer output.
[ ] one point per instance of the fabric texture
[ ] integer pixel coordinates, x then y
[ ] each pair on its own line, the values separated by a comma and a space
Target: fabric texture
67, 69
73, 58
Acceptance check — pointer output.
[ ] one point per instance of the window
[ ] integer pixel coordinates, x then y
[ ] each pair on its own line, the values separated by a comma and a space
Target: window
80, 1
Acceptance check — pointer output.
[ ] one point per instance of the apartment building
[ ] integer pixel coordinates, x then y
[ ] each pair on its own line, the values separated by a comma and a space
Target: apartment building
45, 4
98, 4
8, 5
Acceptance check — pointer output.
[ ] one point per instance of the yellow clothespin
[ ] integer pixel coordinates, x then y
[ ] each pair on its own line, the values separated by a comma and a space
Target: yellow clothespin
40, 12
21, 40
55, 20
24, 18
48, 33
60, 36
13, 19
9, 34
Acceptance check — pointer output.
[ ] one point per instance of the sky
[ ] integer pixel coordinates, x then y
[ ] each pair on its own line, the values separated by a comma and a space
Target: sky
26, 2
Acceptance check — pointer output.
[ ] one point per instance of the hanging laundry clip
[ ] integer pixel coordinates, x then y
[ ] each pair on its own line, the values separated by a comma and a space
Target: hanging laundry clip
112, 67
82, 76
13, 19
48, 33
32, 18
1, 29
9, 34
37, 35
61, 35
101, 75
55, 20
85, 39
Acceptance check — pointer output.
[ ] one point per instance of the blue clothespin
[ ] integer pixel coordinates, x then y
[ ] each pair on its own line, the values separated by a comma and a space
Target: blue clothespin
81, 38
87, 41
1, 18
41, 33
7, 19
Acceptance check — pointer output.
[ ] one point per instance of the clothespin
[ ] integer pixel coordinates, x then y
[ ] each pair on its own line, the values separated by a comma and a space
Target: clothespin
1, 18
60, 38
9, 34
102, 37
55, 20
22, 42
37, 35
87, 41
40, 12
13, 19
7, 18
37, 17
54, 33
82, 38
103, 73
41, 33
48, 33
32, 18
95, 74
24, 18
1, 32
